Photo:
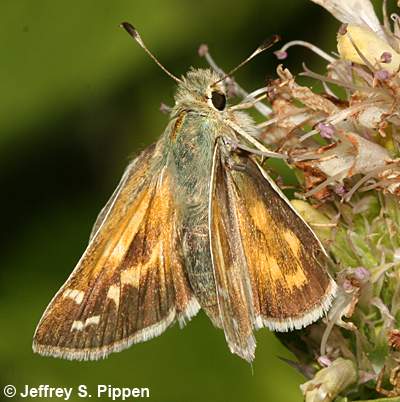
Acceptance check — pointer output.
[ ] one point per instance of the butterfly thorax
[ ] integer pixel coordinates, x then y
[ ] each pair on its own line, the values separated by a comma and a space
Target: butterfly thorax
192, 133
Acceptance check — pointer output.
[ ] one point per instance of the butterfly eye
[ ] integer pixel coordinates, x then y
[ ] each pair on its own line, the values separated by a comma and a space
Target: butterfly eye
218, 100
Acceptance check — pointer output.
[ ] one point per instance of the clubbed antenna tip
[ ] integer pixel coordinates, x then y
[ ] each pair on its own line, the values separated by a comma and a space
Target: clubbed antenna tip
269, 42
130, 29
135, 35
264, 46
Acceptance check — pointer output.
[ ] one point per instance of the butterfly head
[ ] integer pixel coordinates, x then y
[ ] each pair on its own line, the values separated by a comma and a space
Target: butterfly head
201, 91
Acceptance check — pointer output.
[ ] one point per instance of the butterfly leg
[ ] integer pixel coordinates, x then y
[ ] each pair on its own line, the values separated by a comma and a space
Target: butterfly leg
236, 146
228, 151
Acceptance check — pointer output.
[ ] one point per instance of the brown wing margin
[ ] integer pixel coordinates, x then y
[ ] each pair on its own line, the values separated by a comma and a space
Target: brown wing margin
130, 284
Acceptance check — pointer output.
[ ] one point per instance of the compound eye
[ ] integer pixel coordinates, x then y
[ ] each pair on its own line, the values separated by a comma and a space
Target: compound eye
218, 100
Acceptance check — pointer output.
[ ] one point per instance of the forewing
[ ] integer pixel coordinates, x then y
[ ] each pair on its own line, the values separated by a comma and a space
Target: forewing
233, 284
130, 283
286, 262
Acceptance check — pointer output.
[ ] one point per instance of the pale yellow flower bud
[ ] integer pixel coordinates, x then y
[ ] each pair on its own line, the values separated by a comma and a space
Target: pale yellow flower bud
369, 44
330, 381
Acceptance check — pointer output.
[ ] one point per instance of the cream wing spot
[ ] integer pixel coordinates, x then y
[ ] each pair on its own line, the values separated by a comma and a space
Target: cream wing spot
94, 320
80, 325
113, 294
74, 294
131, 277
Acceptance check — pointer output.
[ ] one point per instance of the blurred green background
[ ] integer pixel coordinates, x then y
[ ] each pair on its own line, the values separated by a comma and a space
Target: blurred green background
78, 98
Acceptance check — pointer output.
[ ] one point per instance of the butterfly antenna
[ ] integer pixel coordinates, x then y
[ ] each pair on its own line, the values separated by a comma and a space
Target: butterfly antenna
267, 44
135, 35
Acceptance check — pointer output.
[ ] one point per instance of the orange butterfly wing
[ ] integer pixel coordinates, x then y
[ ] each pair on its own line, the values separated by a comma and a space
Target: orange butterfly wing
130, 283
269, 265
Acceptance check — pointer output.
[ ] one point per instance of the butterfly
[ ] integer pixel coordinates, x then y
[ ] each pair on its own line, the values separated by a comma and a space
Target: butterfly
195, 223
